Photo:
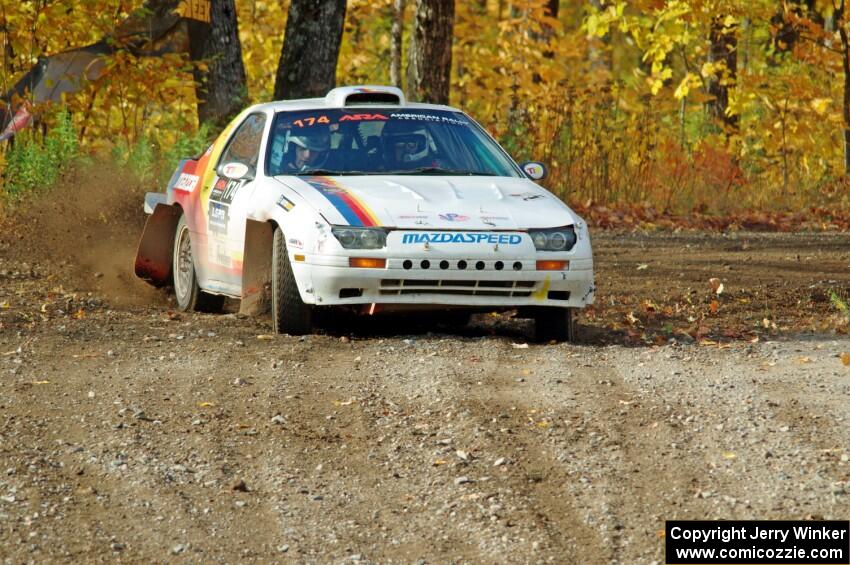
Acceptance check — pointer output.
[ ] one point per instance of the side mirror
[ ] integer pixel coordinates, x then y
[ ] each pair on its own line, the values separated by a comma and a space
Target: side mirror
235, 171
535, 170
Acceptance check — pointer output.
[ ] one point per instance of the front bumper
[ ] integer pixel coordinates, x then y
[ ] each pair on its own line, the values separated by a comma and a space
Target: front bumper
328, 280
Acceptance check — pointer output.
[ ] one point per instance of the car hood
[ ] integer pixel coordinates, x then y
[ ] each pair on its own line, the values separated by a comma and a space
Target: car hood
422, 202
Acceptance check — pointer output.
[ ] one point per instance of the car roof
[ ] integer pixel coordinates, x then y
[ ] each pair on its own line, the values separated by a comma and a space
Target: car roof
336, 98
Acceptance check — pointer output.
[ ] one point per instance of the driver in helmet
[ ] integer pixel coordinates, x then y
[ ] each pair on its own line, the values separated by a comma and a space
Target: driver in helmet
406, 150
307, 150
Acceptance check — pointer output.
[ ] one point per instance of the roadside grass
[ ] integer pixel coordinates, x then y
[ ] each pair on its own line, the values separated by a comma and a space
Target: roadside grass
35, 163
841, 305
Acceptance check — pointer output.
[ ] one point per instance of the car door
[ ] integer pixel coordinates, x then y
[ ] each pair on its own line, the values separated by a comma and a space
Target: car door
229, 203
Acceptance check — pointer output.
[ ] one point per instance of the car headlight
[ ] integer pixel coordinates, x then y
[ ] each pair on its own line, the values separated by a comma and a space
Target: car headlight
557, 239
360, 238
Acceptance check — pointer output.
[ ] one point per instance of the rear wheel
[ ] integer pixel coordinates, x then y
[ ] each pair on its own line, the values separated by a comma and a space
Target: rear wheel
189, 294
554, 324
289, 313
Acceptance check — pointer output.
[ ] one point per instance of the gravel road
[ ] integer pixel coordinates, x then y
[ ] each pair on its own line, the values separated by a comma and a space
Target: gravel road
147, 437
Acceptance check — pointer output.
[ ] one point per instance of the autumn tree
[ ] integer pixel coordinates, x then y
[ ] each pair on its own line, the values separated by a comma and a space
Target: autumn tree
841, 23
430, 54
396, 38
152, 31
307, 66
220, 78
723, 58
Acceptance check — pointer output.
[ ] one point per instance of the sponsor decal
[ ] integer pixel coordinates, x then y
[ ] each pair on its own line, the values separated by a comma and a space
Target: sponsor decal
533, 170
285, 203
235, 170
186, 182
451, 217
218, 254
408, 217
461, 237
527, 195
224, 190
311, 121
355, 211
429, 118
219, 217
362, 117
296, 243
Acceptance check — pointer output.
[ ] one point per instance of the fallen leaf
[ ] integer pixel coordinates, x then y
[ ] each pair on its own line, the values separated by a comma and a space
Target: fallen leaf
707, 342
642, 267
348, 402
205, 404
519, 345
265, 336
5, 305
804, 359
632, 319
712, 308
439, 462
729, 455
845, 359
41, 382
79, 314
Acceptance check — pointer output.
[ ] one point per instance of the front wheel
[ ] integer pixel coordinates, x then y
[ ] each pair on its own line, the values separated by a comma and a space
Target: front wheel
289, 313
554, 324
189, 294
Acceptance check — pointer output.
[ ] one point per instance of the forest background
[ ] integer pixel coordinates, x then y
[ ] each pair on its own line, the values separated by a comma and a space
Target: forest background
655, 106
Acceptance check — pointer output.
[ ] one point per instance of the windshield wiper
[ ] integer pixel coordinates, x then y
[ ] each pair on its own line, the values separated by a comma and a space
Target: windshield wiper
439, 171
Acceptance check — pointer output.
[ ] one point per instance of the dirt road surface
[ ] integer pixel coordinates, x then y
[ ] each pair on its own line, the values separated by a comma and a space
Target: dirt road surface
129, 431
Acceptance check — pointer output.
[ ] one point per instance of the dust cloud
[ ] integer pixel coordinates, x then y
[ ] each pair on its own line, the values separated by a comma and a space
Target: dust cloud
83, 234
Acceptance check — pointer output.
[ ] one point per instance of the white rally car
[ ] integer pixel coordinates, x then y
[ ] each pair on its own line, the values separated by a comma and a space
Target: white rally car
361, 199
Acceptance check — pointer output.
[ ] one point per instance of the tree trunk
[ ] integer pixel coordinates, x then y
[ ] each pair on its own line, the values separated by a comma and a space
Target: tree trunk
723, 49
307, 66
552, 8
397, 48
430, 56
222, 89
845, 65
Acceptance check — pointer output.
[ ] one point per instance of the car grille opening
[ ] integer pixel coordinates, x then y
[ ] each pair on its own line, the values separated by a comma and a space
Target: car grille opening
559, 295
350, 292
522, 289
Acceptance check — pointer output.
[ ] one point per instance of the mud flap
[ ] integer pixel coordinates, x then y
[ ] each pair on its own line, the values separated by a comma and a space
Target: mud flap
257, 268
156, 249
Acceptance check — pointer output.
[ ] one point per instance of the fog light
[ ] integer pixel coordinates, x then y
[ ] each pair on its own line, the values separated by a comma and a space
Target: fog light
553, 265
367, 263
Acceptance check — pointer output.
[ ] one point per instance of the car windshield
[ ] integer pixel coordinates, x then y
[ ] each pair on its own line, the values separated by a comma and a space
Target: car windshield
380, 141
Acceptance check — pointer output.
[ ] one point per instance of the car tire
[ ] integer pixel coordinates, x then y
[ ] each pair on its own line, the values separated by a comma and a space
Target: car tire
189, 295
289, 313
554, 324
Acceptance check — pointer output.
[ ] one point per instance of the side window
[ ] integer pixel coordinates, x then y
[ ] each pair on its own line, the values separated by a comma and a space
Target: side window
244, 146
